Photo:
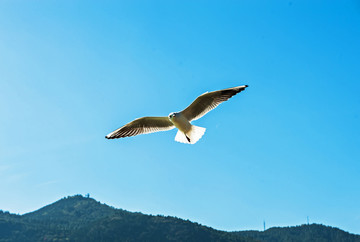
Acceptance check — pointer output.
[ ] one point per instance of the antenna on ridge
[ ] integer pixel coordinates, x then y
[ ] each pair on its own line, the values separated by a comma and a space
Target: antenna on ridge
307, 220
264, 226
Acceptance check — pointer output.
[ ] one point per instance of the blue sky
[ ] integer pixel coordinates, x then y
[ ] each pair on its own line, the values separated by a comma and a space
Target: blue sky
284, 149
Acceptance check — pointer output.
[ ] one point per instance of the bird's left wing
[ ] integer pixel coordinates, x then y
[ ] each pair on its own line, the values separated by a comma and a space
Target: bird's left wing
143, 125
208, 101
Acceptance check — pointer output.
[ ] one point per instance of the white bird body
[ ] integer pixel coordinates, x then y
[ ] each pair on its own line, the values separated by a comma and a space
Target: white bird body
180, 122
187, 133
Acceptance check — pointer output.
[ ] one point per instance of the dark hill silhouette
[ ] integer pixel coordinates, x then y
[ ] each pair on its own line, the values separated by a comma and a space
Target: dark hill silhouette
79, 218
303, 233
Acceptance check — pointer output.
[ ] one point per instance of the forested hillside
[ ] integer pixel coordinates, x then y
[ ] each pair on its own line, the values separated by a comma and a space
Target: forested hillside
79, 218
303, 233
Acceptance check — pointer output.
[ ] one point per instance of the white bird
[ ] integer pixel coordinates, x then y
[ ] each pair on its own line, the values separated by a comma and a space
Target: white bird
187, 133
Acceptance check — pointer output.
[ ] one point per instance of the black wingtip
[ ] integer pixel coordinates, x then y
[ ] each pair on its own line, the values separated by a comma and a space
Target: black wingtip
246, 86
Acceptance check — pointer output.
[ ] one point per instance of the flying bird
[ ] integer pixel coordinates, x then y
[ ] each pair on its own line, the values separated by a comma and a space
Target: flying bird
187, 133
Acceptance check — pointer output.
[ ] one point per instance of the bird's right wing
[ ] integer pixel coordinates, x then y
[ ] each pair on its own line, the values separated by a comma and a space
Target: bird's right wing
208, 101
143, 125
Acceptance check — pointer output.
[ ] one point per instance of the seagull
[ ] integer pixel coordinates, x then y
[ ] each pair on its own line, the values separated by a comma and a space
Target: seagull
187, 133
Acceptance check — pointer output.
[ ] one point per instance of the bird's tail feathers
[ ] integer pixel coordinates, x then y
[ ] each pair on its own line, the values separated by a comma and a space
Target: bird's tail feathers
190, 137
195, 133
180, 137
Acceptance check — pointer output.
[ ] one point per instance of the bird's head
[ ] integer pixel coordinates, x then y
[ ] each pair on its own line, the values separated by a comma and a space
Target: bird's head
172, 115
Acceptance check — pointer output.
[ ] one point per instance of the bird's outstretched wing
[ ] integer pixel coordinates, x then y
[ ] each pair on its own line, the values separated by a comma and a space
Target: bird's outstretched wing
208, 101
143, 125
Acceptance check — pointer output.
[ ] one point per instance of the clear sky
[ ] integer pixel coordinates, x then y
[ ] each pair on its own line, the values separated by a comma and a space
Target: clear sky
284, 149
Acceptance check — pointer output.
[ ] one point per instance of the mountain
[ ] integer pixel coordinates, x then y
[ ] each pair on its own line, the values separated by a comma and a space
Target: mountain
303, 233
79, 218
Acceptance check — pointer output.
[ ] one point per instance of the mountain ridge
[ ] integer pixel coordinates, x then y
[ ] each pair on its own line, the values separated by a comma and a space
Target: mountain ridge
78, 218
